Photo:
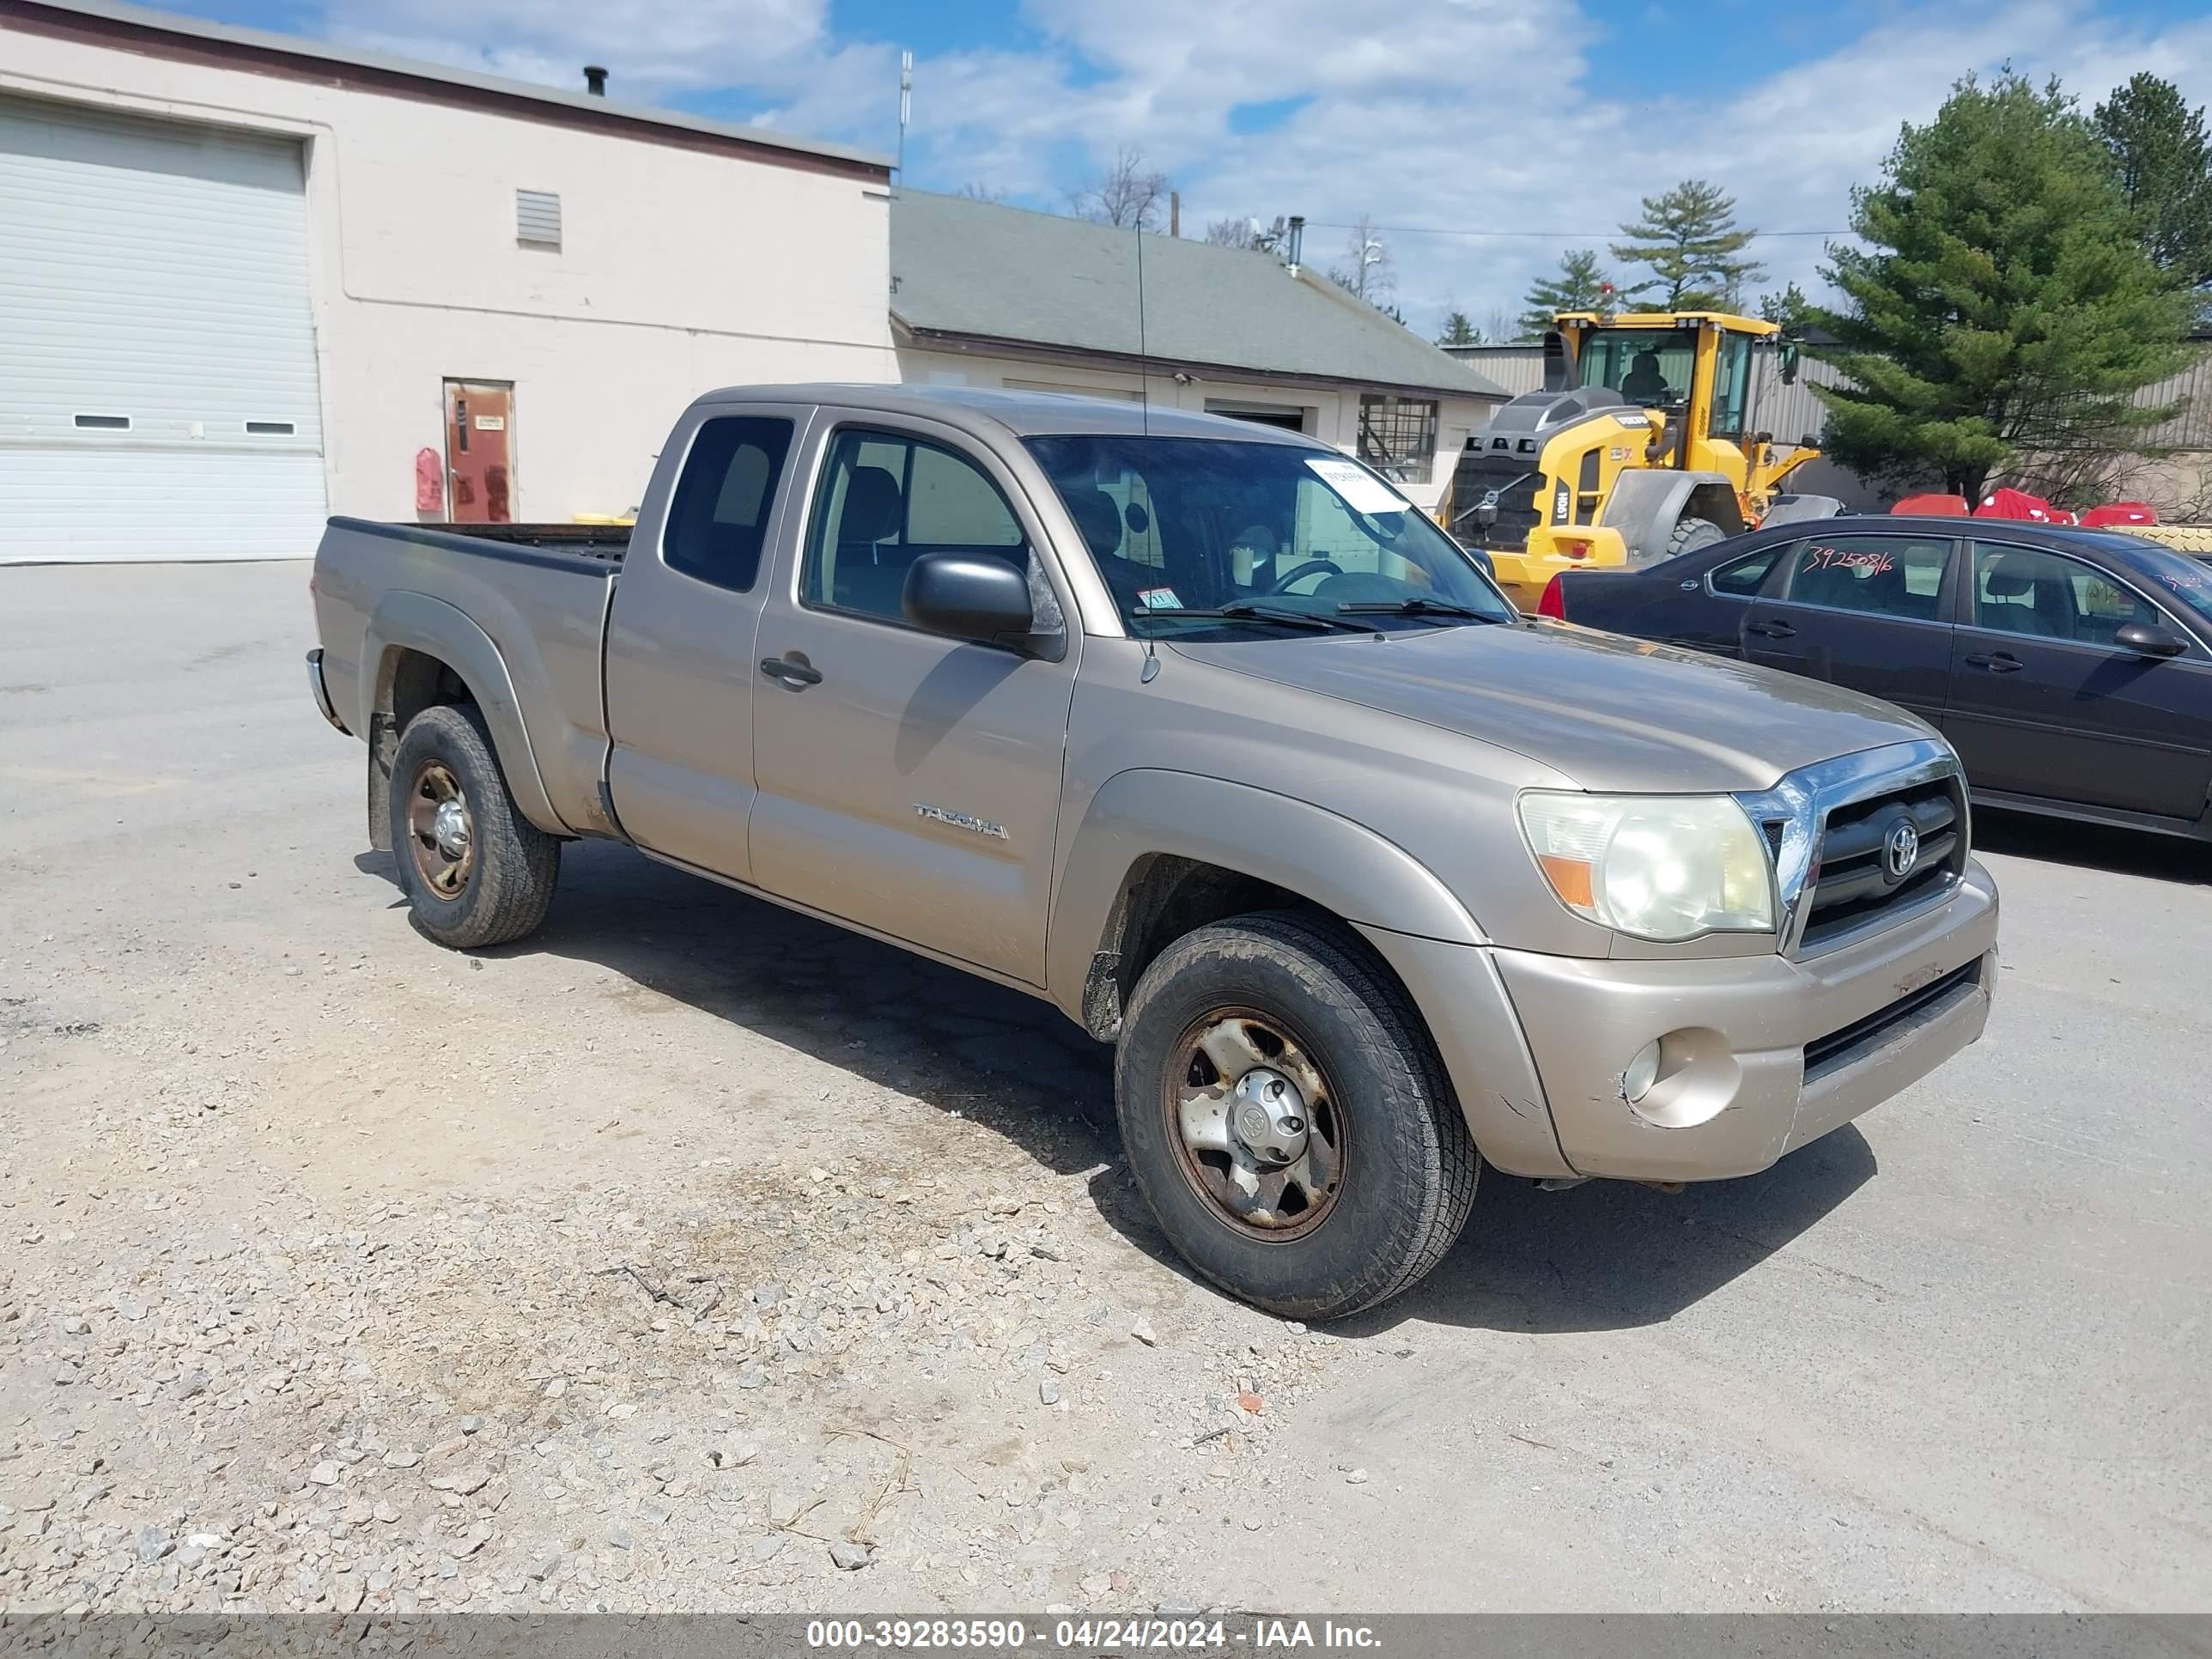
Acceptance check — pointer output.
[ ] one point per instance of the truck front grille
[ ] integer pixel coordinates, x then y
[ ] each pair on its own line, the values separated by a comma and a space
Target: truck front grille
1855, 881
1494, 501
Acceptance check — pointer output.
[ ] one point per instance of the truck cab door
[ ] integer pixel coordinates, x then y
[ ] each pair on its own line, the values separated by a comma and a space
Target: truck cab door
910, 783
679, 639
1868, 611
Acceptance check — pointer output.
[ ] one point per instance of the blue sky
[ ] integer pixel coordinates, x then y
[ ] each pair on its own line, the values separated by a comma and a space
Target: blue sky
1527, 125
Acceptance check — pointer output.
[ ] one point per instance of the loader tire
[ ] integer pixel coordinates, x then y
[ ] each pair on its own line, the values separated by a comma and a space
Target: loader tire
1692, 534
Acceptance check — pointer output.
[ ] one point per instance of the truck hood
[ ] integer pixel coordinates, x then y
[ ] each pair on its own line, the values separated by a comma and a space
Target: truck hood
1607, 712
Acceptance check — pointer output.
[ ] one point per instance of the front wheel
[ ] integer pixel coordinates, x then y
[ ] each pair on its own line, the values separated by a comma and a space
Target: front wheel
475, 871
1287, 1118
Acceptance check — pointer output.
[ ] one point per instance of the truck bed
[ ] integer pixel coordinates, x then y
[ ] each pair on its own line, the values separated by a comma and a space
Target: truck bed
597, 548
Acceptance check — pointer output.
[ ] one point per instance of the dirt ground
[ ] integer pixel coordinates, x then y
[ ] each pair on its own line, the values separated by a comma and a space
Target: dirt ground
693, 1256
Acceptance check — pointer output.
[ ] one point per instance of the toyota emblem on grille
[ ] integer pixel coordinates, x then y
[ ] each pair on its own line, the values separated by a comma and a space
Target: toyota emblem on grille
1900, 851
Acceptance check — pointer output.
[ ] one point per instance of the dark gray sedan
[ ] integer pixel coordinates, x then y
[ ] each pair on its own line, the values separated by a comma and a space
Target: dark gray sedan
2071, 669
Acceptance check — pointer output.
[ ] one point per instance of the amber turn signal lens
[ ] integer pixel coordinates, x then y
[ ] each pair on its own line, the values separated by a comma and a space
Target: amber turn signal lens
1570, 878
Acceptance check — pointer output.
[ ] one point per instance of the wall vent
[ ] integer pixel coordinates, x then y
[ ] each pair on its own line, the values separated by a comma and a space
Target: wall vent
537, 218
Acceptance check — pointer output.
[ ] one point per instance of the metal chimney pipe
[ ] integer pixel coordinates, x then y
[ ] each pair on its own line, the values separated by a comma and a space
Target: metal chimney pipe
595, 81
1298, 240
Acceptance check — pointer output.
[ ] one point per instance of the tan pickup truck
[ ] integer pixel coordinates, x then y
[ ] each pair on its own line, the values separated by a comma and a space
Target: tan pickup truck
1199, 732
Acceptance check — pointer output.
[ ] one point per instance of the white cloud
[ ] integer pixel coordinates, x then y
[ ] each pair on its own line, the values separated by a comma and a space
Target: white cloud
1462, 113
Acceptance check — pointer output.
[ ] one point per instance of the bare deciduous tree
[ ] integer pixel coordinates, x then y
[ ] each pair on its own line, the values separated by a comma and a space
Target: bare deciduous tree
978, 191
1128, 195
1232, 231
1368, 270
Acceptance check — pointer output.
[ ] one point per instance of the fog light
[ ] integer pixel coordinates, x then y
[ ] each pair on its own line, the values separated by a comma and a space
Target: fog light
1643, 1072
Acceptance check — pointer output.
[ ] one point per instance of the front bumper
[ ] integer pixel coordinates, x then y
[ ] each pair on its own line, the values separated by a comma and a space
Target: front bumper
1735, 1092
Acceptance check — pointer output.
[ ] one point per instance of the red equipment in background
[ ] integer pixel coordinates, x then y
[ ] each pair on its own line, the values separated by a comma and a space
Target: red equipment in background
429, 481
2120, 513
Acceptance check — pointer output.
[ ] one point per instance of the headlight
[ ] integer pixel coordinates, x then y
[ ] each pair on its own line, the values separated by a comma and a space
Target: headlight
1657, 867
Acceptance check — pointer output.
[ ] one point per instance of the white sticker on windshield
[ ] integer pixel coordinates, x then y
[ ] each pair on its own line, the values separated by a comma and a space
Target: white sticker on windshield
1361, 491
1159, 599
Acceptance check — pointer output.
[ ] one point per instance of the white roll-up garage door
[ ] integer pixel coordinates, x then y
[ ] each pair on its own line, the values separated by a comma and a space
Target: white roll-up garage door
157, 352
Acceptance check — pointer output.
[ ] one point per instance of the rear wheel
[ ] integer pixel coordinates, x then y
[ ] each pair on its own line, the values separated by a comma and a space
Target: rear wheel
1287, 1118
1692, 534
475, 871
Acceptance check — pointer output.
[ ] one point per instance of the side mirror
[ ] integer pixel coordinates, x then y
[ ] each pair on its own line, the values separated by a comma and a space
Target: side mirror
968, 596
2147, 640
1787, 360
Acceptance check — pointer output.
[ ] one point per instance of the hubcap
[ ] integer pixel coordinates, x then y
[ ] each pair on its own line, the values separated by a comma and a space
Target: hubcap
1257, 1121
440, 833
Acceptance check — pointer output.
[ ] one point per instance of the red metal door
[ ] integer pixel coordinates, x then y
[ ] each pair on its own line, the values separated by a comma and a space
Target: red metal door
479, 453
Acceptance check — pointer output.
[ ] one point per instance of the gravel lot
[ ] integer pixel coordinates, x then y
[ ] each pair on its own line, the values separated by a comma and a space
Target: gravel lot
693, 1256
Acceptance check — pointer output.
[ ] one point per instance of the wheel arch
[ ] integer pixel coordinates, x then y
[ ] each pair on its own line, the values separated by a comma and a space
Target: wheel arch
420, 651
1158, 853
1648, 502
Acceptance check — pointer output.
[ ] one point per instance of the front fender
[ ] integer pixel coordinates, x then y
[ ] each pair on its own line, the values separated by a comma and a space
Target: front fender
1340, 866
417, 622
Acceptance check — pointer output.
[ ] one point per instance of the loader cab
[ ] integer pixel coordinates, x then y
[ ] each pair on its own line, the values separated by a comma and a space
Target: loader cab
1650, 367
1656, 367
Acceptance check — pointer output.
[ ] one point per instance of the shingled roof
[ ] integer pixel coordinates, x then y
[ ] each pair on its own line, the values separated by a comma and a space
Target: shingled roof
969, 273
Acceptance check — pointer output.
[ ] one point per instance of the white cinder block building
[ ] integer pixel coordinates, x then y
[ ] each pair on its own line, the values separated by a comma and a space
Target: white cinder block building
247, 281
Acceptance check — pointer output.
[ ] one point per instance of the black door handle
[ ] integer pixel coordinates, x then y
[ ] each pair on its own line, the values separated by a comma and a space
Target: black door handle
794, 674
1772, 630
1997, 662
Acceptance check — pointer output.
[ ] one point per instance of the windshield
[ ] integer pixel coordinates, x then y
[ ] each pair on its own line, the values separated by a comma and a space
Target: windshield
2186, 581
1647, 366
1181, 525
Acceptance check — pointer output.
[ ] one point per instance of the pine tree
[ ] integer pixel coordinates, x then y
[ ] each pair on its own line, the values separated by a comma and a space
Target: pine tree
2163, 164
1580, 286
2000, 306
1689, 239
1459, 330
1789, 307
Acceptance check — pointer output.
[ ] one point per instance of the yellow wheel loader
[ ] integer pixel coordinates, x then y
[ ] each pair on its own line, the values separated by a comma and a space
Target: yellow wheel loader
1642, 444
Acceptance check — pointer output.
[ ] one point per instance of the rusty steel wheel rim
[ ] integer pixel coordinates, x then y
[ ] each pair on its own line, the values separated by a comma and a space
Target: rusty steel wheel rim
439, 831
1257, 1118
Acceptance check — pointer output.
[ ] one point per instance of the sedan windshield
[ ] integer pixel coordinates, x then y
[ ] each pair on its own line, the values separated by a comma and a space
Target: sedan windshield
2185, 581
1212, 535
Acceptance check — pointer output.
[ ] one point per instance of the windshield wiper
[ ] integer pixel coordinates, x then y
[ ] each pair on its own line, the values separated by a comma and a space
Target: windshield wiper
1244, 611
1416, 606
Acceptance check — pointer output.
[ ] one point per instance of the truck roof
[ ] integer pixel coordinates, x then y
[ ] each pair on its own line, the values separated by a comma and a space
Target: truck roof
1024, 414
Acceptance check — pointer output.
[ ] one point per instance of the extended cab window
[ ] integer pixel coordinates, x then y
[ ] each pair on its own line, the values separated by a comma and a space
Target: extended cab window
1876, 575
717, 520
885, 500
2024, 590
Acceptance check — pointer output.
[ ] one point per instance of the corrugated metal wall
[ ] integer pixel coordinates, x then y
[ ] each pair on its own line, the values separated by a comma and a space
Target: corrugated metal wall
1793, 413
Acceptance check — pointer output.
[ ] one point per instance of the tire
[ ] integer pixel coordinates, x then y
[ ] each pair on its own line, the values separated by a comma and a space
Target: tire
501, 889
1407, 1169
1692, 534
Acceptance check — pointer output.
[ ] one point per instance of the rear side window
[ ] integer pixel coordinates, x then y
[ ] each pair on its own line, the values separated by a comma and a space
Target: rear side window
1743, 578
1875, 575
717, 521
